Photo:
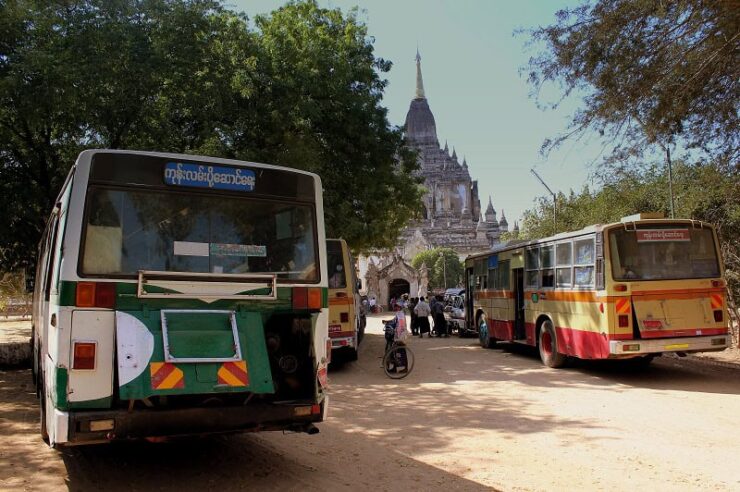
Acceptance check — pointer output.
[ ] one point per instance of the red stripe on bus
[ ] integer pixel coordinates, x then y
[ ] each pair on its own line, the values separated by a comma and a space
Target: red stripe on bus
341, 334
689, 332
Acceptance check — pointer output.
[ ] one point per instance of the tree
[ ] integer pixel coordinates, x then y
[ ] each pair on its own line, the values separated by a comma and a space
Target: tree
650, 73
445, 268
317, 106
302, 88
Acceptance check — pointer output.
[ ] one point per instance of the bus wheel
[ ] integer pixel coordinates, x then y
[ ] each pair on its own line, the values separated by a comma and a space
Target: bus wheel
484, 335
548, 346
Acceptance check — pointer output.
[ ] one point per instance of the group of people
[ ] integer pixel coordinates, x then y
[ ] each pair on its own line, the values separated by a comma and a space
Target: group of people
420, 310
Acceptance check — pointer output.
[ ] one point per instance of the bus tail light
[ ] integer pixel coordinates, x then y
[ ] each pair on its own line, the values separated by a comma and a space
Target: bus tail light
344, 317
624, 321
91, 294
718, 316
307, 298
84, 355
85, 295
620, 288
300, 298
718, 283
314, 298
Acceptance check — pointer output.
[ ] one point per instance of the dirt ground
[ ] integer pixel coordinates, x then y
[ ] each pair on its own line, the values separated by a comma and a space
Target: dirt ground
466, 419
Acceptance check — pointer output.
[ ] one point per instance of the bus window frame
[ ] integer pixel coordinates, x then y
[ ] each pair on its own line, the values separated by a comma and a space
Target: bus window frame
564, 266
592, 264
187, 192
527, 267
543, 247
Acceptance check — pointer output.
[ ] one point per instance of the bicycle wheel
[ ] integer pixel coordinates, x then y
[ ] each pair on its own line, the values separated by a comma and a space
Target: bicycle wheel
398, 362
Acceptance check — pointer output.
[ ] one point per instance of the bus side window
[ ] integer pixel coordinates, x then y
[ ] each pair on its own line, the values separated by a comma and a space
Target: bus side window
50, 255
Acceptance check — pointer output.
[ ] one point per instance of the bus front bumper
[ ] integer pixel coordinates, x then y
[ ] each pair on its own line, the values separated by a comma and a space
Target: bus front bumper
93, 426
625, 348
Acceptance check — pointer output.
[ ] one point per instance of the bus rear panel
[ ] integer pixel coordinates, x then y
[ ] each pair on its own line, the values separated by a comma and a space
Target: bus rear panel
184, 295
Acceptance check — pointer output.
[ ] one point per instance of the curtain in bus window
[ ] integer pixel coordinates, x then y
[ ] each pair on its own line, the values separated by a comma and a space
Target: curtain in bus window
583, 269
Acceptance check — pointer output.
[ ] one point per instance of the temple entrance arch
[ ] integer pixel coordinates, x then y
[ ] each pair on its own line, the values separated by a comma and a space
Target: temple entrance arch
396, 288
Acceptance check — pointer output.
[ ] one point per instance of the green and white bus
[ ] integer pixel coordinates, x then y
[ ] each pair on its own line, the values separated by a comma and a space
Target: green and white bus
180, 294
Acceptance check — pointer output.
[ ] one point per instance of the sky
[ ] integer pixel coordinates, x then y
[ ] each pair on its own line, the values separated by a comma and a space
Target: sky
471, 60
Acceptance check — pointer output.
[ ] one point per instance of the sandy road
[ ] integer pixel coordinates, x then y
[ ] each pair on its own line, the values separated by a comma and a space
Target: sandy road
466, 419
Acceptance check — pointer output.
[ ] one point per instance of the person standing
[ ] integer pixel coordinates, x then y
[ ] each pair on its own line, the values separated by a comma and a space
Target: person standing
423, 310
440, 323
414, 318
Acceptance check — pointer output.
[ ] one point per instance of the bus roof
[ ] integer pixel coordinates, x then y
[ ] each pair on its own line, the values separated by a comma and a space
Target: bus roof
520, 243
196, 158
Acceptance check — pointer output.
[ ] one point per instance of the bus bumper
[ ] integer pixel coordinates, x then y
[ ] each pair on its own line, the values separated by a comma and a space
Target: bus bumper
341, 342
96, 426
623, 348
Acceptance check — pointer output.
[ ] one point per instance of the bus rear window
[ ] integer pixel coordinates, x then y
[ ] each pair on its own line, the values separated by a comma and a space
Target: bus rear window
127, 231
335, 264
665, 252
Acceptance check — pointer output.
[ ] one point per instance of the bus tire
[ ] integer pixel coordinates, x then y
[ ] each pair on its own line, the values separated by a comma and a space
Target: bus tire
484, 334
548, 346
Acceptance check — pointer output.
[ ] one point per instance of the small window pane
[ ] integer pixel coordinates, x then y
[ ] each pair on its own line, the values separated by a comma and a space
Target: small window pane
531, 259
532, 278
492, 278
564, 253
547, 256
503, 275
564, 277
584, 252
548, 278
584, 276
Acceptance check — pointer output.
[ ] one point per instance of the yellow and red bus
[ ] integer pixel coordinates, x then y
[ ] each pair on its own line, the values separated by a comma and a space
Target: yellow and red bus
634, 289
346, 317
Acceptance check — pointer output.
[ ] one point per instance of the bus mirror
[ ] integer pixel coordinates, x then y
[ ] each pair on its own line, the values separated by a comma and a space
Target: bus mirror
358, 285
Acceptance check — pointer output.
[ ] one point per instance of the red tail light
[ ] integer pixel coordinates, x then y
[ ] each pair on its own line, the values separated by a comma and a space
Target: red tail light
624, 321
620, 288
718, 316
92, 294
84, 355
105, 295
300, 298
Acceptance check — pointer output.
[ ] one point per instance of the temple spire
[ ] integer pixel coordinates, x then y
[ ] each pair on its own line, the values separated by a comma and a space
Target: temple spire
419, 80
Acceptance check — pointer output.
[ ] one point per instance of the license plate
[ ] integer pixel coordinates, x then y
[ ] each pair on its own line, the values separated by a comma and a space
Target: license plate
335, 328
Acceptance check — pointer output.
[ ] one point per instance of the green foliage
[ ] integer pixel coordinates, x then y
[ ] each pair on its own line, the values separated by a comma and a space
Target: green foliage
302, 88
444, 267
649, 73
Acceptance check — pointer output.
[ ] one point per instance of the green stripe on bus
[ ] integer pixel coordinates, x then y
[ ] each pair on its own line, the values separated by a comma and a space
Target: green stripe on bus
60, 391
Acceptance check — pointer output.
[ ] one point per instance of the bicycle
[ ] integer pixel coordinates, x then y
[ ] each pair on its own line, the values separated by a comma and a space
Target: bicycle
398, 360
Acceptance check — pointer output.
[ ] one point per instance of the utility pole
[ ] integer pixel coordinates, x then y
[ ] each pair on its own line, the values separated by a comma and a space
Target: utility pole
554, 202
670, 176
